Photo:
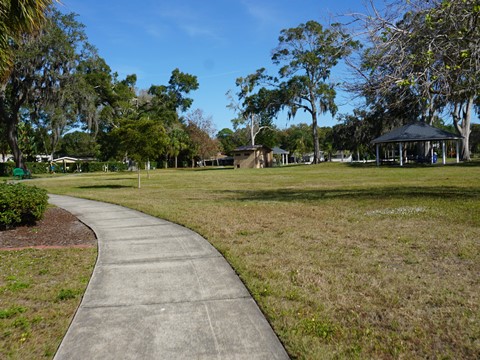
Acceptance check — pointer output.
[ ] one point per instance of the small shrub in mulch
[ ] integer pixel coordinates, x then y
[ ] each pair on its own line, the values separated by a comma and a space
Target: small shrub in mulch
21, 204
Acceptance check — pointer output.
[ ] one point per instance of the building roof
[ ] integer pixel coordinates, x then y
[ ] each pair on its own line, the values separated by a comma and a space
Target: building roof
416, 131
67, 159
252, 148
70, 159
277, 150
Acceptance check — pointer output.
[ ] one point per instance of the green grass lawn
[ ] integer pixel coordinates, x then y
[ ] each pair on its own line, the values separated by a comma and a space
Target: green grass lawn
344, 261
39, 293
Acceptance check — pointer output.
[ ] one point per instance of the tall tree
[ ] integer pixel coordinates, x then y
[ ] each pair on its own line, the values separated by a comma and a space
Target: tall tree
106, 92
427, 54
45, 87
226, 139
306, 55
229, 139
167, 101
459, 22
297, 139
157, 112
78, 143
142, 139
118, 101
4, 147
17, 19
201, 132
177, 142
255, 109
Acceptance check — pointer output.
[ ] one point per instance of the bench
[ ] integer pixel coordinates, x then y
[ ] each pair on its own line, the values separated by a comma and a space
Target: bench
21, 174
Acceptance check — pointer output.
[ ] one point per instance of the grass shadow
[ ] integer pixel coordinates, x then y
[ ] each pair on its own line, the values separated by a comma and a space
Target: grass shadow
105, 186
472, 163
214, 168
120, 179
286, 195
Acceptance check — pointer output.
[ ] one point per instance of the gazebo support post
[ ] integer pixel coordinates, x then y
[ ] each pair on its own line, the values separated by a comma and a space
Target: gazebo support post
431, 154
458, 151
377, 149
444, 153
400, 147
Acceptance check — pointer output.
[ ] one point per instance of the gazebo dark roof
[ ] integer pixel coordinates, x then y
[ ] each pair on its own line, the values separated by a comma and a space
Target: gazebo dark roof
278, 151
416, 131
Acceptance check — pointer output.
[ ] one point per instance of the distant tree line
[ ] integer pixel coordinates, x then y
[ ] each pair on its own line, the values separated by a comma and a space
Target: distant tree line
60, 97
415, 60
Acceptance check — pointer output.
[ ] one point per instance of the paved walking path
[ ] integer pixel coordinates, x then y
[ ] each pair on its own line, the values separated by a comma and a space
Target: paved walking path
160, 291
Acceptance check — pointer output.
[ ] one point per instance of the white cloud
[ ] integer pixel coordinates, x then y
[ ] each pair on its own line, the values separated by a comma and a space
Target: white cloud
195, 31
263, 13
192, 21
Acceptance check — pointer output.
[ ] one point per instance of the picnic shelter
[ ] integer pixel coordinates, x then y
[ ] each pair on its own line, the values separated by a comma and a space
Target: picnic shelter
417, 132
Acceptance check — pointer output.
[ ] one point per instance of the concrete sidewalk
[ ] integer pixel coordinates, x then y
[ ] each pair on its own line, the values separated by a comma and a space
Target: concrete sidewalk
160, 291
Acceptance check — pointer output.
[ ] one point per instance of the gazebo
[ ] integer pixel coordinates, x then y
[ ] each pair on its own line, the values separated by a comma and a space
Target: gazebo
417, 132
65, 161
282, 153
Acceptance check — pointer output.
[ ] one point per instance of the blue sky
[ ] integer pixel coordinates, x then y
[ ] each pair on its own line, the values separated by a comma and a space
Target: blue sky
216, 40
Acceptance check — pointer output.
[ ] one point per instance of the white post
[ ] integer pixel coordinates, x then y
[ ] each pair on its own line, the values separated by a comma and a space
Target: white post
431, 154
252, 135
444, 152
458, 151
377, 148
138, 175
401, 153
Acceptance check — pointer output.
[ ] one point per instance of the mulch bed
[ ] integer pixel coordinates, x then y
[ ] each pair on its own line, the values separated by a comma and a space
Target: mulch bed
57, 229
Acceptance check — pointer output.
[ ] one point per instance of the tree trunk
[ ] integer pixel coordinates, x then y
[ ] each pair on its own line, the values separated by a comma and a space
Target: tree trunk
316, 143
138, 175
467, 115
462, 115
11, 121
13, 142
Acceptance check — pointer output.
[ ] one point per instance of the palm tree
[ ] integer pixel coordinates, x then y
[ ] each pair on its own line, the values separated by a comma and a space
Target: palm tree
178, 142
18, 17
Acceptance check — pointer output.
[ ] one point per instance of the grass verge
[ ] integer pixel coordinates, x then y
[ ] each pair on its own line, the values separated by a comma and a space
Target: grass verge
345, 262
40, 291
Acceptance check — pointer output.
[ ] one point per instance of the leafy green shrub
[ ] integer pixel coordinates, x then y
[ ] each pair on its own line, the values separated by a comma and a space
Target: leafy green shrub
38, 167
44, 167
94, 166
6, 169
21, 204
